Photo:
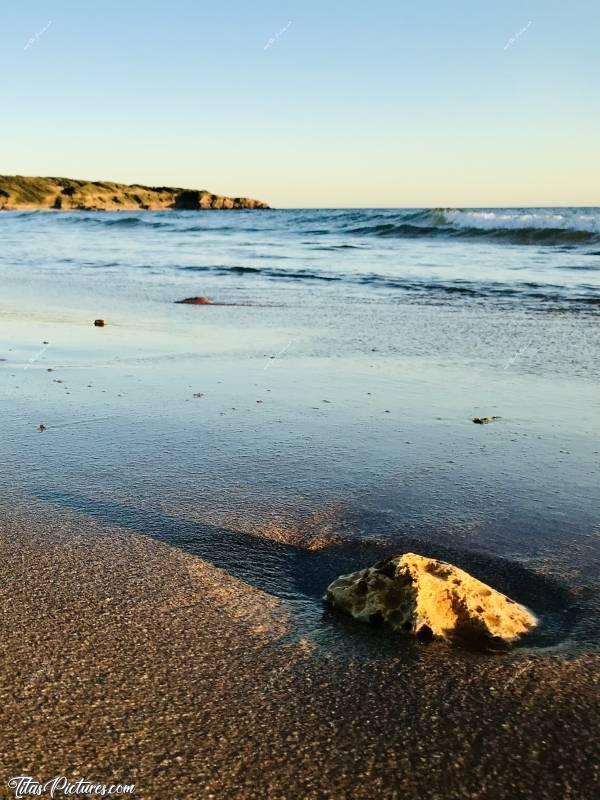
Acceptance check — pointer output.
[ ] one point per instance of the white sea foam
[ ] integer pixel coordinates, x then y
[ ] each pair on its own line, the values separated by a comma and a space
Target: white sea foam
568, 219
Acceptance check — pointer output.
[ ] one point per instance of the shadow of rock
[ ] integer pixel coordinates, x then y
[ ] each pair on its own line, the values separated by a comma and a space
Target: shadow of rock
296, 574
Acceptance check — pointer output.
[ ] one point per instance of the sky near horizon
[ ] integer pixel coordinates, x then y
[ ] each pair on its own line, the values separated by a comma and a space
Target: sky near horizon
310, 104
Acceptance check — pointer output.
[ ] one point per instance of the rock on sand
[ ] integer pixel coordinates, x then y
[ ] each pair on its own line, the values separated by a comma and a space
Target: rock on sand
430, 598
196, 301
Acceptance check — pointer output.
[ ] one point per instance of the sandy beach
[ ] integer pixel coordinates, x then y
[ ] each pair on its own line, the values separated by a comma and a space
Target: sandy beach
134, 661
203, 473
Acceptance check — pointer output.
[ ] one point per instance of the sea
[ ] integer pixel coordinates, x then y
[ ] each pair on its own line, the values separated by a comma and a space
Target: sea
545, 259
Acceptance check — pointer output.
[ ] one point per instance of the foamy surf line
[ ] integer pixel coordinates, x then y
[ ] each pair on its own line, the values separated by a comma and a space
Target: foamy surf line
506, 226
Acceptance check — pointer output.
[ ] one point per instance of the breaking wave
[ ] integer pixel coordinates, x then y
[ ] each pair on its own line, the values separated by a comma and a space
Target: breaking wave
511, 226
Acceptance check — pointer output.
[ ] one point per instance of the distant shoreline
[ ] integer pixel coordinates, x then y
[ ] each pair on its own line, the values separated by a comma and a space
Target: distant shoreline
20, 193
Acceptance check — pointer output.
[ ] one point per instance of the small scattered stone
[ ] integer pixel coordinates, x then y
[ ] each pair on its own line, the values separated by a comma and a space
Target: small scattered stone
196, 301
199, 394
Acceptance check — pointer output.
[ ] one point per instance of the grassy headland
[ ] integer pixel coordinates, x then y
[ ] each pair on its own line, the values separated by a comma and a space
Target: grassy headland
26, 193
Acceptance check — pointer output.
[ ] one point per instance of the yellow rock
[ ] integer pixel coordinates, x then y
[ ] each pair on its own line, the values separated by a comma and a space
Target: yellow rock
430, 598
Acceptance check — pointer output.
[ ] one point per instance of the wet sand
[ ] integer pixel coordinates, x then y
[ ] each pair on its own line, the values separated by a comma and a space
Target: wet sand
124, 659
167, 539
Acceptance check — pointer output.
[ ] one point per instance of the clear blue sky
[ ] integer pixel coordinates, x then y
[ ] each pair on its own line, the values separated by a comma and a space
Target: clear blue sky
354, 104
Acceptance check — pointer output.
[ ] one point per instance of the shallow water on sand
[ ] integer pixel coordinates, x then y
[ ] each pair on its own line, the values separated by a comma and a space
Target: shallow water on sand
290, 444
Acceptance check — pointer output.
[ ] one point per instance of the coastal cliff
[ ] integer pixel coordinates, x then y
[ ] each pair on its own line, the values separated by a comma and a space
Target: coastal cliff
19, 193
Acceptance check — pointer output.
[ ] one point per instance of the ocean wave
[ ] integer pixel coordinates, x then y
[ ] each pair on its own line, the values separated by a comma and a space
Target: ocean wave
546, 293
529, 219
402, 229
270, 272
511, 226
128, 222
335, 247
116, 219
564, 229
215, 228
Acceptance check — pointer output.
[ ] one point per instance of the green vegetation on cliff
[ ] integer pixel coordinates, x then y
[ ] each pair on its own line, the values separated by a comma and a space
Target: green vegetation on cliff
24, 193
